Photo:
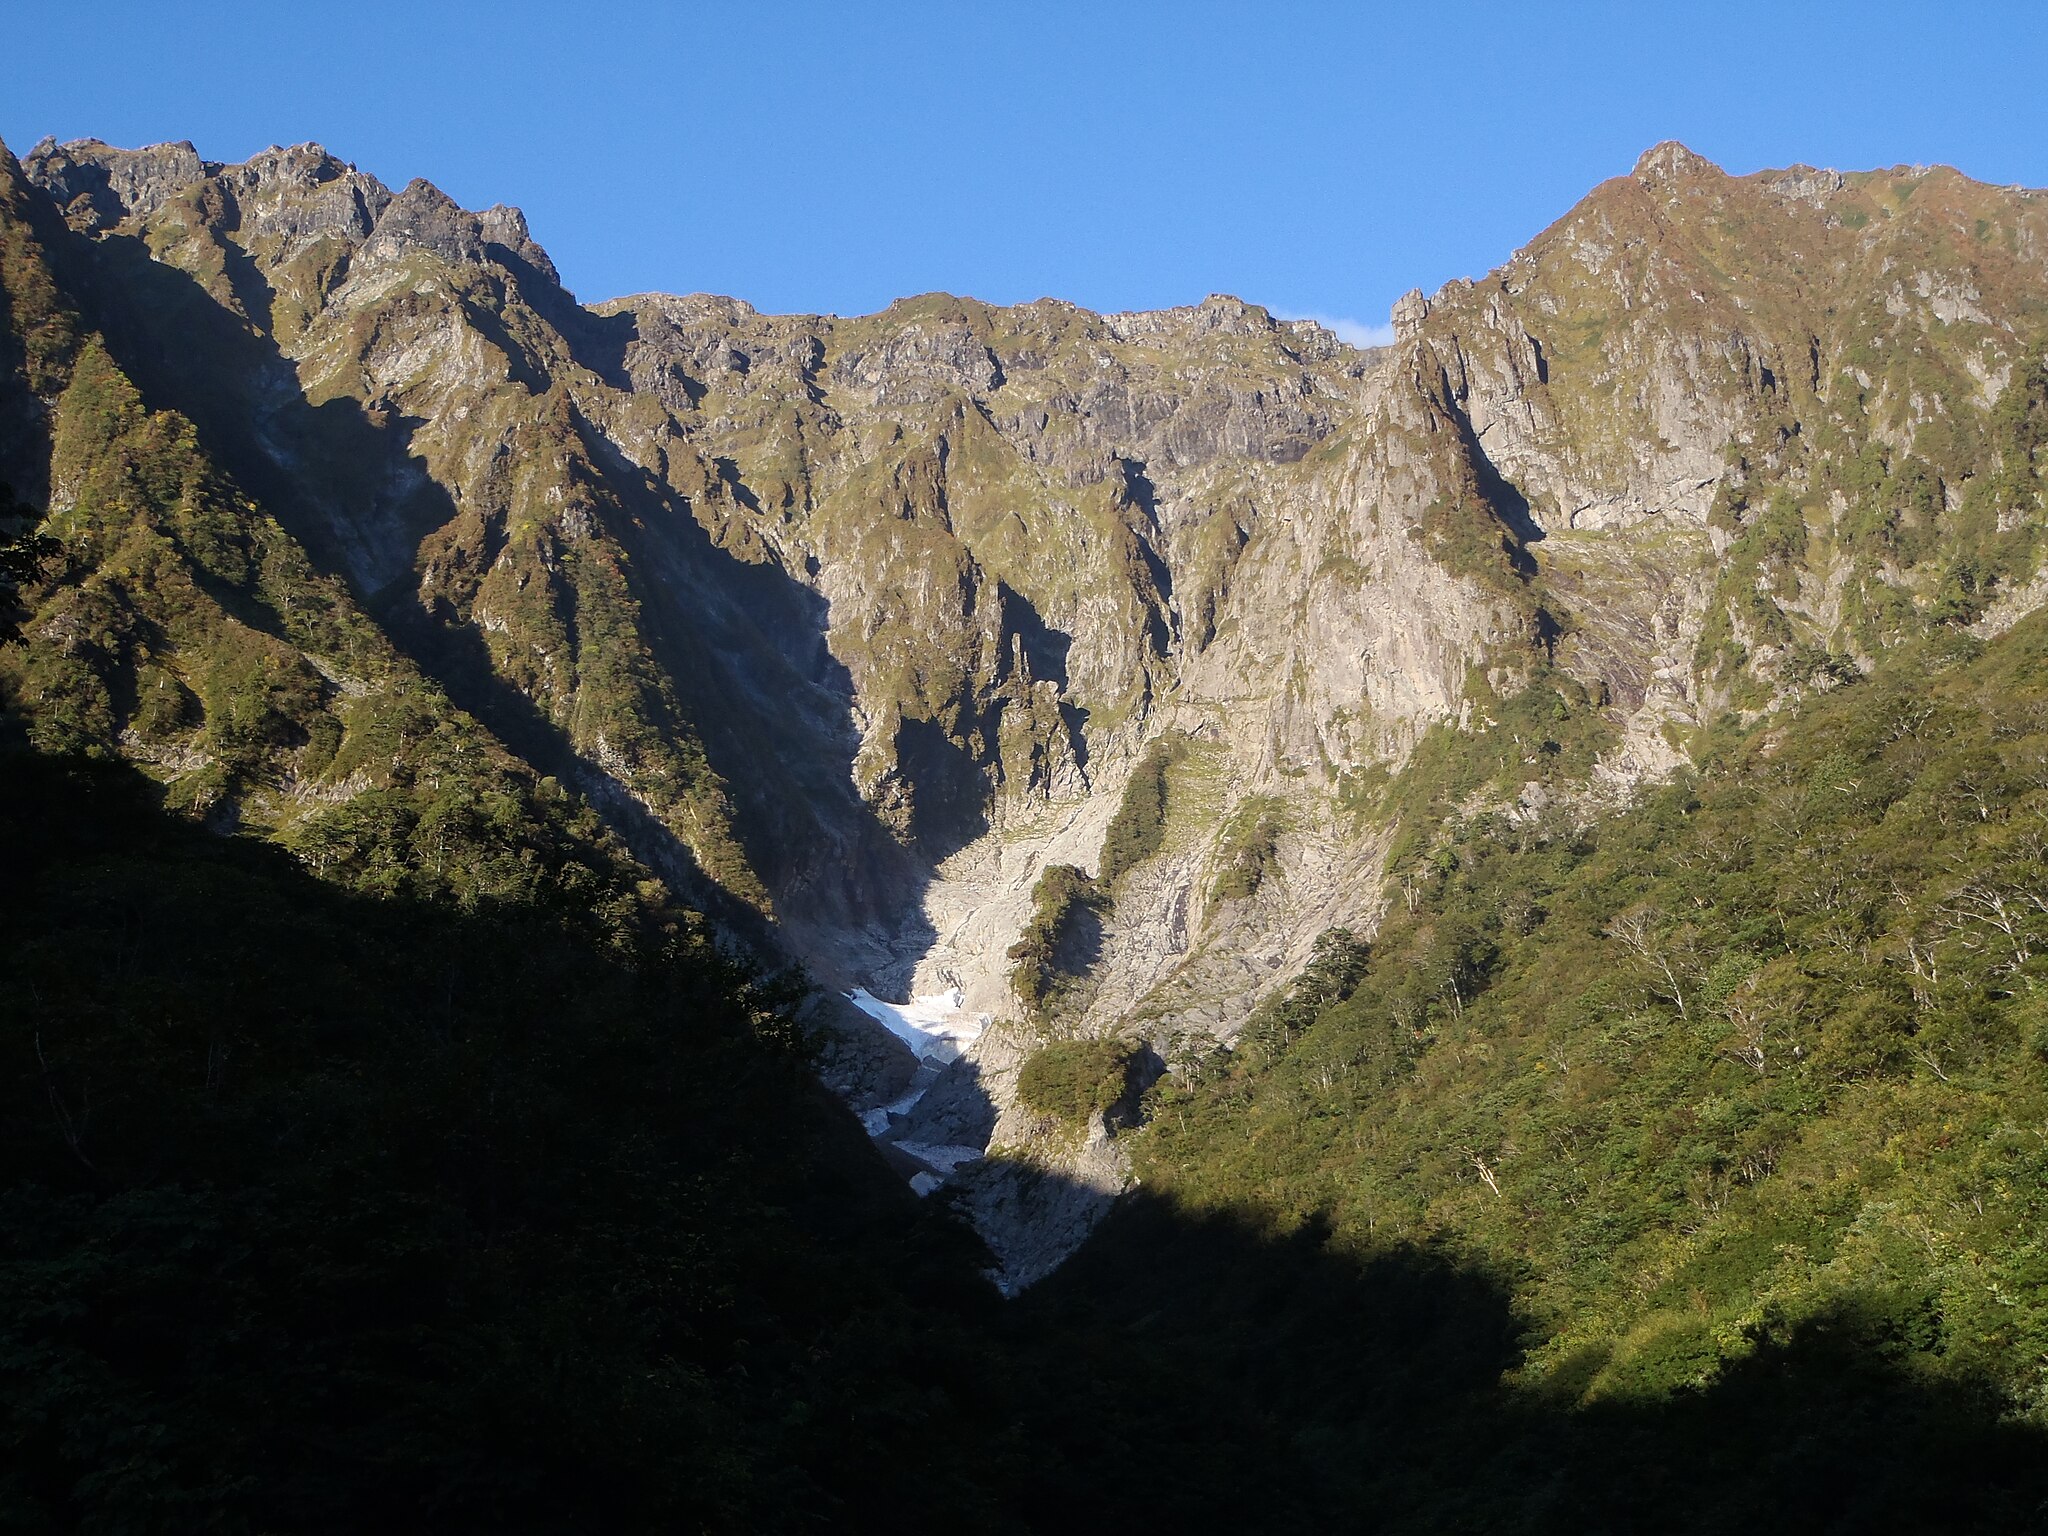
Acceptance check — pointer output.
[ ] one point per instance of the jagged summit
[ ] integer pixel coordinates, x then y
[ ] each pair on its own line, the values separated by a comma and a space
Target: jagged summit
1670, 162
98, 186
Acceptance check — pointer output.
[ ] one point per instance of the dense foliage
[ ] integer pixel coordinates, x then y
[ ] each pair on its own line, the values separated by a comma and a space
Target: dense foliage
1770, 1046
1056, 943
24, 552
1072, 1081
1138, 829
323, 1212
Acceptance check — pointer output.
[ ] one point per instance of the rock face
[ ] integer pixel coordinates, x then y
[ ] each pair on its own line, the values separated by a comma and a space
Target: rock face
854, 626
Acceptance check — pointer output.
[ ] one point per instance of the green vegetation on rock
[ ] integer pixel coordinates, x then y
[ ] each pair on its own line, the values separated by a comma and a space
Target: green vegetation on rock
1762, 1048
24, 553
1074, 1081
1544, 736
1138, 829
1065, 908
1249, 848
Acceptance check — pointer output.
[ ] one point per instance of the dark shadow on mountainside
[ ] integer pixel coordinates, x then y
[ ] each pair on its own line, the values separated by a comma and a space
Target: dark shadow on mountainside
323, 1213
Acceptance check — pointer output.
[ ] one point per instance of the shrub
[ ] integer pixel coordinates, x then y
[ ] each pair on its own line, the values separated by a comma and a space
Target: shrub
1138, 830
1062, 901
1072, 1081
1250, 845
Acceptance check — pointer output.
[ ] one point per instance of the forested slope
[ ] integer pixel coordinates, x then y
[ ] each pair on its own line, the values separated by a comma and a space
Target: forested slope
325, 1211
1751, 1079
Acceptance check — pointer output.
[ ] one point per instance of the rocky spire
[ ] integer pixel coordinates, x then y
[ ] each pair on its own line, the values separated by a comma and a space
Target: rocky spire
1670, 164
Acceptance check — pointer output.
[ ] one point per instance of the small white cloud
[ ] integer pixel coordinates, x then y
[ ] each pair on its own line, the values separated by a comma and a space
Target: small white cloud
1356, 333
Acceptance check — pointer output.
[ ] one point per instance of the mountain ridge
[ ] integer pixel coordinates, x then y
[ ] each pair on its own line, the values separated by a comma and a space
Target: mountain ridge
862, 623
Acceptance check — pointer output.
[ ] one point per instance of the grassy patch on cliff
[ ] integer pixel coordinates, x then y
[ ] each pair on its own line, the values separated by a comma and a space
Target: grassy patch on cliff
1057, 943
1249, 849
1072, 1081
1138, 829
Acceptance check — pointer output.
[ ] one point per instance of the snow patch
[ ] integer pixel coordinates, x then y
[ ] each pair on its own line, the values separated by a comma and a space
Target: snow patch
876, 1121
941, 1158
937, 1028
933, 1025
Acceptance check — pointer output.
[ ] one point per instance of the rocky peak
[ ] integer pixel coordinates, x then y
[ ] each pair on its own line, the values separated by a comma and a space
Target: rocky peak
1803, 184
1218, 315
97, 186
424, 217
685, 309
298, 192
1410, 310
928, 354
505, 225
304, 193
299, 166
1223, 311
1670, 166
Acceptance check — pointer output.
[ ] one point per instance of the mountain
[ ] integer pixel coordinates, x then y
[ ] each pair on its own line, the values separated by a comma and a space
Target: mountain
1547, 801
863, 624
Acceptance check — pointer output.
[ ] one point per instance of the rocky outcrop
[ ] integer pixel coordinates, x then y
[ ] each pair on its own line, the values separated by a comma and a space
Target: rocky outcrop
98, 186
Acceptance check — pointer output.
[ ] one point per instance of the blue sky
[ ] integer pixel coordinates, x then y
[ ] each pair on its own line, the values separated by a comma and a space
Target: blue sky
1319, 159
